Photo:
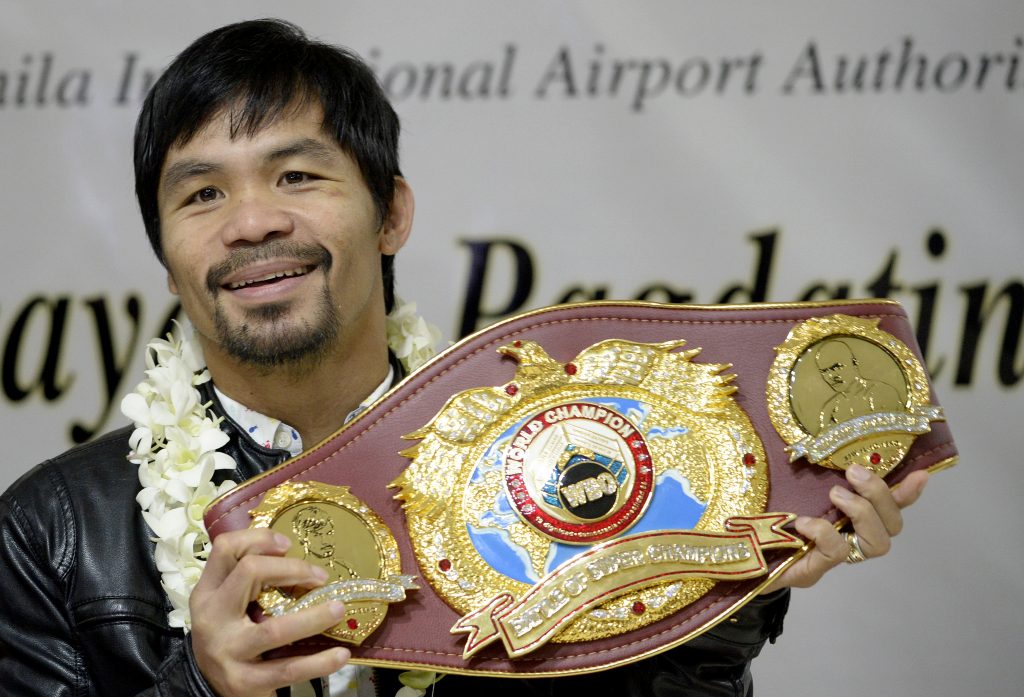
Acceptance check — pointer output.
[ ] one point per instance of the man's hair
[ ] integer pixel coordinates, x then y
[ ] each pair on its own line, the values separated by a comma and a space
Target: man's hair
263, 70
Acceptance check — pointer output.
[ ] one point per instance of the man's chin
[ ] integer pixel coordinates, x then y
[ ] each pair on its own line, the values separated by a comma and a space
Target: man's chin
274, 344
279, 334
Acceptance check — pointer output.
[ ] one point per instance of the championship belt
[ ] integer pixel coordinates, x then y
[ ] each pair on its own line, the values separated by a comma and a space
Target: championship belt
586, 485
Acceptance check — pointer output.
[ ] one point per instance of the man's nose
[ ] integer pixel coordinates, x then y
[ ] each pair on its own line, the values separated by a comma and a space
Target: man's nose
255, 217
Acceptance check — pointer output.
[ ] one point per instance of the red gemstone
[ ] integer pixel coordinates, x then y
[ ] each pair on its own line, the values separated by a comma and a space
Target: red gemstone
352, 623
517, 344
445, 565
639, 608
511, 390
749, 459
570, 369
875, 458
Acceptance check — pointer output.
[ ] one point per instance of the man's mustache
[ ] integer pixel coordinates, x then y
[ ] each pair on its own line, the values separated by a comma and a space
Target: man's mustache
307, 254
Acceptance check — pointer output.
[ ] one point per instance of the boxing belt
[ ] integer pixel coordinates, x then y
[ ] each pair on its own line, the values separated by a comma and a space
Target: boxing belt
586, 485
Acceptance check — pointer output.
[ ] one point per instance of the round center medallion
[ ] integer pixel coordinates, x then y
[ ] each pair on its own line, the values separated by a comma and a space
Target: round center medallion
578, 472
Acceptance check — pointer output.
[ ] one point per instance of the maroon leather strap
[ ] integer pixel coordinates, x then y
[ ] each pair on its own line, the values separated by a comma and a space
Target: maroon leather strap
364, 456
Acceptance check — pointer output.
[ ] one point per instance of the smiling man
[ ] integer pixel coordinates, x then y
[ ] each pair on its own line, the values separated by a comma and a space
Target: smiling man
273, 242
267, 176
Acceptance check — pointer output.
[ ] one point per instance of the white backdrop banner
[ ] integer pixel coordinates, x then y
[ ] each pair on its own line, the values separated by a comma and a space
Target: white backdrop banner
681, 151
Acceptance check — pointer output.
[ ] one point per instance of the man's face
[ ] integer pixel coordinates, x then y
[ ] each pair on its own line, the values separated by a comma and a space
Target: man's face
272, 242
317, 536
835, 363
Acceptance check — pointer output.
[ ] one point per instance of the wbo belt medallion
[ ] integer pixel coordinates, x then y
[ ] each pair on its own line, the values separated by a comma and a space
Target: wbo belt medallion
842, 391
587, 499
332, 528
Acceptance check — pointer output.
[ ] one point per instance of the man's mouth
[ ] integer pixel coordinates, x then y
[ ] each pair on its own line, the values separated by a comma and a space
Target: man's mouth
270, 278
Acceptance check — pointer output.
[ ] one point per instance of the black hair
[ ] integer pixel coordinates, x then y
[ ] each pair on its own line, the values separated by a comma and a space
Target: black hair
262, 70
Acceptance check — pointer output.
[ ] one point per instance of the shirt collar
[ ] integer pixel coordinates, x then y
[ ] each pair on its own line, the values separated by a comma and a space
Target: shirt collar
273, 433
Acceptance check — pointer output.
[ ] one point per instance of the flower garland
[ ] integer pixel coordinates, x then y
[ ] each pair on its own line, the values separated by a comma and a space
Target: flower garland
176, 441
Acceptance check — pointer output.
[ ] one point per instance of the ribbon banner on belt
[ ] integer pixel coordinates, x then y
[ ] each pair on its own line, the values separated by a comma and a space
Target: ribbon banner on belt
618, 567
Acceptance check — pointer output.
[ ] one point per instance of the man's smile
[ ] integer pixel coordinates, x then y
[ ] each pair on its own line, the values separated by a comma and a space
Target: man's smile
268, 277
266, 269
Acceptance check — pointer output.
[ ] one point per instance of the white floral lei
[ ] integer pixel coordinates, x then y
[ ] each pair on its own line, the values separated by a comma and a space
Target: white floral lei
176, 440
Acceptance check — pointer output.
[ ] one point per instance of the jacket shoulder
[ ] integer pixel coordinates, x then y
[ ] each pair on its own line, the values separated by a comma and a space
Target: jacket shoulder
50, 500
105, 456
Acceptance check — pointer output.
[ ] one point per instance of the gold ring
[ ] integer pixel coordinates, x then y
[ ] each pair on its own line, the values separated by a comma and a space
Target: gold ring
854, 554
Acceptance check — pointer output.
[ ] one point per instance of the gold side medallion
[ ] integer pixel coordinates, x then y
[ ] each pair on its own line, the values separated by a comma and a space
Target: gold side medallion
842, 391
586, 499
332, 528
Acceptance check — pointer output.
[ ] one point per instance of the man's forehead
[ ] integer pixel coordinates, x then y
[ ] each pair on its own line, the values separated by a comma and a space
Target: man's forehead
233, 123
221, 134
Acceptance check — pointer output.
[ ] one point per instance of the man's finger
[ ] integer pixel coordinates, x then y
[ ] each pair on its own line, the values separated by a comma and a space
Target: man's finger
255, 572
289, 628
829, 550
281, 672
877, 492
871, 531
909, 490
229, 547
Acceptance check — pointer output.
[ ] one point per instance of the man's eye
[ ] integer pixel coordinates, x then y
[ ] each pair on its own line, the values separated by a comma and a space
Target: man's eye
205, 195
295, 177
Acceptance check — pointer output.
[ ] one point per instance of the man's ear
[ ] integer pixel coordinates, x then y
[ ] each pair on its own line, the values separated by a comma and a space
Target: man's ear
395, 230
171, 285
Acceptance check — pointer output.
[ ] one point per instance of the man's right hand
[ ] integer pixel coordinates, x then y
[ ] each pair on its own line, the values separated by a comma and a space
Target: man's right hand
228, 645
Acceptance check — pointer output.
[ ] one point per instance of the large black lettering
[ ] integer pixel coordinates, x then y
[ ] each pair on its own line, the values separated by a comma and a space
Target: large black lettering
46, 380
113, 365
885, 283
978, 312
480, 259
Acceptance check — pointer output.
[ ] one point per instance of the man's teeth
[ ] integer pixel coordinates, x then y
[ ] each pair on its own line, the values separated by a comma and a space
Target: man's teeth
269, 277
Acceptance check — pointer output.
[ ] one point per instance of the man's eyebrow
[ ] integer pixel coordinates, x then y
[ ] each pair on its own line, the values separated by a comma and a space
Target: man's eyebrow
308, 147
184, 170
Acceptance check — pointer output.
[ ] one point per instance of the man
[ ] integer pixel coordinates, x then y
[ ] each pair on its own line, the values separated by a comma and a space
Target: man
314, 531
854, 395
267, 175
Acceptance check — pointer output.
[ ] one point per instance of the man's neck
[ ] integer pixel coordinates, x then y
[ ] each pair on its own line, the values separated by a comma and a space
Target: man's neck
313, 399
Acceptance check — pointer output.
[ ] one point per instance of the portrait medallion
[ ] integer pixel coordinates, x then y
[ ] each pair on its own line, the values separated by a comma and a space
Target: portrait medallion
842, 391
333, 529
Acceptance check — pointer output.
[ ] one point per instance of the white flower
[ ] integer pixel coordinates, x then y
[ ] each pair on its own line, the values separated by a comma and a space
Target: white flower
176, 445
412, 338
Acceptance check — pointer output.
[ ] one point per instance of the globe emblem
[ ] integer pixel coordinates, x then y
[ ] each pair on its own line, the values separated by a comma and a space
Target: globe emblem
578, 472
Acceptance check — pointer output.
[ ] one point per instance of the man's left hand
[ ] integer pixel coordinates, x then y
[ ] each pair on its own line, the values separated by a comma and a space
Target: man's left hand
874, 511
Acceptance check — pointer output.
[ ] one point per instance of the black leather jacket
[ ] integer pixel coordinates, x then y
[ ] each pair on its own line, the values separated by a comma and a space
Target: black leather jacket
82, 612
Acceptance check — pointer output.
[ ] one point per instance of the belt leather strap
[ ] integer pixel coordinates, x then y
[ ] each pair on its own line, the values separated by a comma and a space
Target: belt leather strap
767, 349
